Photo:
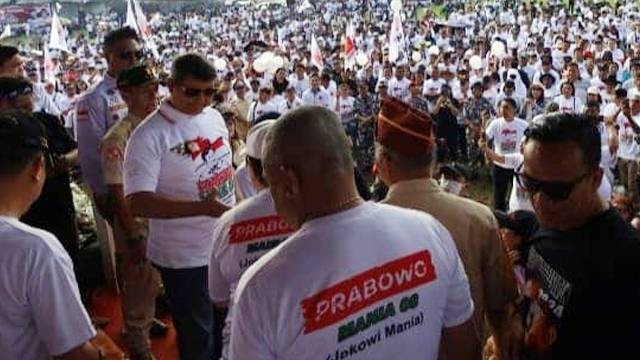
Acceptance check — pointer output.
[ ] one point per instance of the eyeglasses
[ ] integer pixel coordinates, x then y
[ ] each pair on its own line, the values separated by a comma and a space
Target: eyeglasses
131, 55
193, 92
557, 190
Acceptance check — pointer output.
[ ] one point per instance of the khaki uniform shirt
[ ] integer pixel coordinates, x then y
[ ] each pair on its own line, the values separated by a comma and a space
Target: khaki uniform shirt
112, 152
474, 229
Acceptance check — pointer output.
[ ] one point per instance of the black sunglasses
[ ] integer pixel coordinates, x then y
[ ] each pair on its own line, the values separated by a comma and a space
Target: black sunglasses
557, 190
193, 92
24, 90
135, 55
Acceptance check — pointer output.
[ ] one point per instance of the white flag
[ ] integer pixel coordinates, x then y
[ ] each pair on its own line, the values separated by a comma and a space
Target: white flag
131, 18
50, 68
57, 37
143, 25
316, 54
396, 38
6, 33
349, 46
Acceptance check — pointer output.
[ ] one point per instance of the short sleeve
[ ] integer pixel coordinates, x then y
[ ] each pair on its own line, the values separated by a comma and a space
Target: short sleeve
491, 129
459, 305
219, 288
60, 318
112, 156
248, 340
141, 163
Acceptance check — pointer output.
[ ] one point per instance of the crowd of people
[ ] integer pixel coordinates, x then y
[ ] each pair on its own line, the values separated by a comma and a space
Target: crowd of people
315, 204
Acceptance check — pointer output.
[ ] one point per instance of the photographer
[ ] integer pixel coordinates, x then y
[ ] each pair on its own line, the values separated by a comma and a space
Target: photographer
445, 114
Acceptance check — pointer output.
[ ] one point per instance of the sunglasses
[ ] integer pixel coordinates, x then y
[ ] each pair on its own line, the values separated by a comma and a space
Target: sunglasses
128, 55
556, 190
25, 90
193, 92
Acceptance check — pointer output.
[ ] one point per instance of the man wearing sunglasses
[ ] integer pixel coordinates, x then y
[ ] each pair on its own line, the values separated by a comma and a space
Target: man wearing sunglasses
97, 111
582, 269
178, 173
12, 65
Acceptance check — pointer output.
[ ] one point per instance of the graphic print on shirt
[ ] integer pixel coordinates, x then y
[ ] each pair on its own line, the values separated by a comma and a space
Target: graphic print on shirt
369, 290
508, 143
215, 174
548, 294
259, 235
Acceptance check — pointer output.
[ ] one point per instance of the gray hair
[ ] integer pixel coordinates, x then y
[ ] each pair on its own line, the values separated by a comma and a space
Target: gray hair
406, 163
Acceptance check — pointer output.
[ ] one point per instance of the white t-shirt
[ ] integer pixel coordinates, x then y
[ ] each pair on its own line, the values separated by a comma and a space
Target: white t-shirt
346, 110
41, 314
185, 157
241, 236
628, 148
350, 284
244, 186
319, 98
399, 88
506, 136
572, 105
257, 109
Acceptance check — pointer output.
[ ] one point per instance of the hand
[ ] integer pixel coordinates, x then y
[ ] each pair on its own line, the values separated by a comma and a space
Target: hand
213, 207
514, 256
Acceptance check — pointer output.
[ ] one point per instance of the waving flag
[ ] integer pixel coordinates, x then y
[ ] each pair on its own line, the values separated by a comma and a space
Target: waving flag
57, 37
131, 18
6, 33
396, 38
143, 25
316, 54
349, 46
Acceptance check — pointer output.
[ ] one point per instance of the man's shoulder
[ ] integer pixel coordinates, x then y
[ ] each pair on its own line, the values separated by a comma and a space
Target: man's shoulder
21, 238
118, 132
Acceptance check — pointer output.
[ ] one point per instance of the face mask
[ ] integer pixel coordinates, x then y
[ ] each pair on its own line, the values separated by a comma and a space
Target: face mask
450, 186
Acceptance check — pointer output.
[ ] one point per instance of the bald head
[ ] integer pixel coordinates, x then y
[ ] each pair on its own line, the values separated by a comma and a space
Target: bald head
307, 163
312, 140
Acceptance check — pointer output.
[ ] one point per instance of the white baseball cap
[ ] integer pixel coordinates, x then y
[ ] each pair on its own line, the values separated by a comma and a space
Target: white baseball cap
256, 137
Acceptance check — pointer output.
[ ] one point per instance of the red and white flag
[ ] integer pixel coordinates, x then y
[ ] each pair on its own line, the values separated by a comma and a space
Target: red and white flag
349, 46
143, 25
316, 54
57, 37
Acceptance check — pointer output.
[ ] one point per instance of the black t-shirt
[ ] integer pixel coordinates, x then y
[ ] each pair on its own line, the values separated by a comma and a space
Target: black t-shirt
583, 292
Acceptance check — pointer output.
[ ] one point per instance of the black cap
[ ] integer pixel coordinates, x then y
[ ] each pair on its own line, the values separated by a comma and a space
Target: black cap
136, 76
522, 222
21, 136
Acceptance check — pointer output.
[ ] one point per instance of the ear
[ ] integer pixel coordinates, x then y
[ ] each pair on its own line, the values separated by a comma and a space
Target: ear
293, 183
171, 84
37, 170
596, 178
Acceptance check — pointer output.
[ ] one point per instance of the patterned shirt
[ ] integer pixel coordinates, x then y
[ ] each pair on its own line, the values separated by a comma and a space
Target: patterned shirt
476, 107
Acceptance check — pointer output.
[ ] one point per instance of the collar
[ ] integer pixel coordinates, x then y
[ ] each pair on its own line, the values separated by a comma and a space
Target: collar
134, 120
424, 185
110, 81
171, 114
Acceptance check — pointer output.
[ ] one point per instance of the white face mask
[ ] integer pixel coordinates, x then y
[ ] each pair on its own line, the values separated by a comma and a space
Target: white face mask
450, 186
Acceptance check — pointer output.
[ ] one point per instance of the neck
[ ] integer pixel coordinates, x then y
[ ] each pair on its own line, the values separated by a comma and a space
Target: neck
332, 203
410, 175
11, 206
139, 113
179, 108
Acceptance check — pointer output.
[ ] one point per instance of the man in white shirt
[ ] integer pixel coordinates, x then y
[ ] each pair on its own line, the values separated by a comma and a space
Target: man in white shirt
262, 105
399, 85
346, 283
628, 123
178, 173
292, 101
299, 80
244, 233
505, 133
316, 95
41, 313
